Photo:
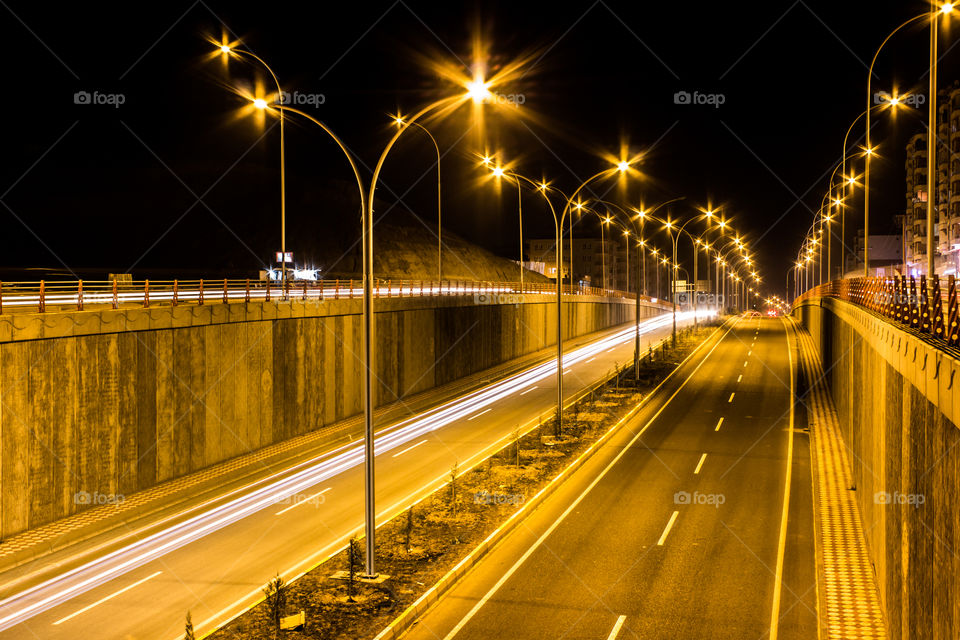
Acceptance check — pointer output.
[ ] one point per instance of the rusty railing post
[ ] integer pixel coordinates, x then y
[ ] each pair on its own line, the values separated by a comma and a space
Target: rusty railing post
936, 303
953, 312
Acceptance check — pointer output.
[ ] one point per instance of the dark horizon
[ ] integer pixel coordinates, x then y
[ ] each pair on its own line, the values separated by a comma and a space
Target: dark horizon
96, 184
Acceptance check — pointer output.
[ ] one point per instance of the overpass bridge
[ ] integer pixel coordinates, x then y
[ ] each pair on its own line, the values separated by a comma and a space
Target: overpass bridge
111, 388
891, 363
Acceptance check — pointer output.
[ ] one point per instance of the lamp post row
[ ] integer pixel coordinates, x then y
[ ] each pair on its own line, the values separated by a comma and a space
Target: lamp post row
477, 91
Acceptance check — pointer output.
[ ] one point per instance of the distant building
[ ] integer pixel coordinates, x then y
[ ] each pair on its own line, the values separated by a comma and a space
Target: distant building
946, 241
886, 254
595, 263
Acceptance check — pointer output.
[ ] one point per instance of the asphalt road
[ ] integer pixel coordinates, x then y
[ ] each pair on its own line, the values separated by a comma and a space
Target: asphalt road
678, 528
215, 562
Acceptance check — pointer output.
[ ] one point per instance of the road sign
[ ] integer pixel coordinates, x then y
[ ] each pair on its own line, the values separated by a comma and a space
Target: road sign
285, 257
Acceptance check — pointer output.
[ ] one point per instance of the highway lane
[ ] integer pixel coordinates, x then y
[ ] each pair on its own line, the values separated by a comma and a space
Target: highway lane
215, 563
675, 530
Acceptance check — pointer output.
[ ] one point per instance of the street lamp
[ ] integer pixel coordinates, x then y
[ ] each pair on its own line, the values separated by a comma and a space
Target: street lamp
498, 172
934, 16
227, 50
477, 91
398, 120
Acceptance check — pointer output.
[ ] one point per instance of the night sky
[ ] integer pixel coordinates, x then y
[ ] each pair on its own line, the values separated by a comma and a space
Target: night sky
174, 178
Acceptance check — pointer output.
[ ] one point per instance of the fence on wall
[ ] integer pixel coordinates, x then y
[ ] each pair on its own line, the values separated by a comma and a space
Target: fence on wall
82, 294
930, 308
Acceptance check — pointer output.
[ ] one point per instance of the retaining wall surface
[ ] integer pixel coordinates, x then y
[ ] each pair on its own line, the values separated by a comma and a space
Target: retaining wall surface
98, 404
898, 400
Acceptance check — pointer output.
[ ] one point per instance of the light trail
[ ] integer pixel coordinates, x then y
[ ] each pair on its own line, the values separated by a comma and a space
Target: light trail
41, 597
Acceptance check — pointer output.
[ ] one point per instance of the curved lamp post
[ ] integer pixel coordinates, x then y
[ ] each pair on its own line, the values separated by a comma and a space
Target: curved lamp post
398, 120
227, 50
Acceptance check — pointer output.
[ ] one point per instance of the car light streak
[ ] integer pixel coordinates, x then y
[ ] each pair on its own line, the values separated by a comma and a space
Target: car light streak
41, 597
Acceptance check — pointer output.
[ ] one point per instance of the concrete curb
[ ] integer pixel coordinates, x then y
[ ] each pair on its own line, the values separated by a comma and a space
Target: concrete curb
430, 597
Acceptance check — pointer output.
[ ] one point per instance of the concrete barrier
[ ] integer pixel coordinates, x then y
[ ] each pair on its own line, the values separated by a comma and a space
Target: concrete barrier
898, 400
98, 405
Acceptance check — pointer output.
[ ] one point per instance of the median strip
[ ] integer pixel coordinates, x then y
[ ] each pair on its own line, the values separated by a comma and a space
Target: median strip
436, 540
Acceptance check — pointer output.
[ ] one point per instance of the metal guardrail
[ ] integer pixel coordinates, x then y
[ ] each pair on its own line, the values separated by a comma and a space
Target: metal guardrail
904, 300
82, 294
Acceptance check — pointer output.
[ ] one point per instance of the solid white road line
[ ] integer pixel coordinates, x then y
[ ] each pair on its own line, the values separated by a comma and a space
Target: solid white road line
616, 628
573, 505
666, 532
719, 422
730, 399
700, 464
304, 501
778, 584
523, 393
477, 415
410, 448
109, 597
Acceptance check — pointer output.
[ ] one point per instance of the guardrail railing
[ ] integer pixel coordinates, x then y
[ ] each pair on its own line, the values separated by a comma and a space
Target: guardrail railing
83, 294
905, 300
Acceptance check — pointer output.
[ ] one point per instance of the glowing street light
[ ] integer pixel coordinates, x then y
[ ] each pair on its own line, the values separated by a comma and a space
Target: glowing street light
934, 17
399, 121
227, 51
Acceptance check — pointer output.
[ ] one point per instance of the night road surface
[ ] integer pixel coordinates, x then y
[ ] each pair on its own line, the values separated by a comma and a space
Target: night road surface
675, 529
216, 563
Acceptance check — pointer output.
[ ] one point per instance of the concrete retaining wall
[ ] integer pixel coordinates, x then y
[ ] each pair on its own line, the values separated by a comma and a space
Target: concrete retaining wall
898, 399
101, 403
